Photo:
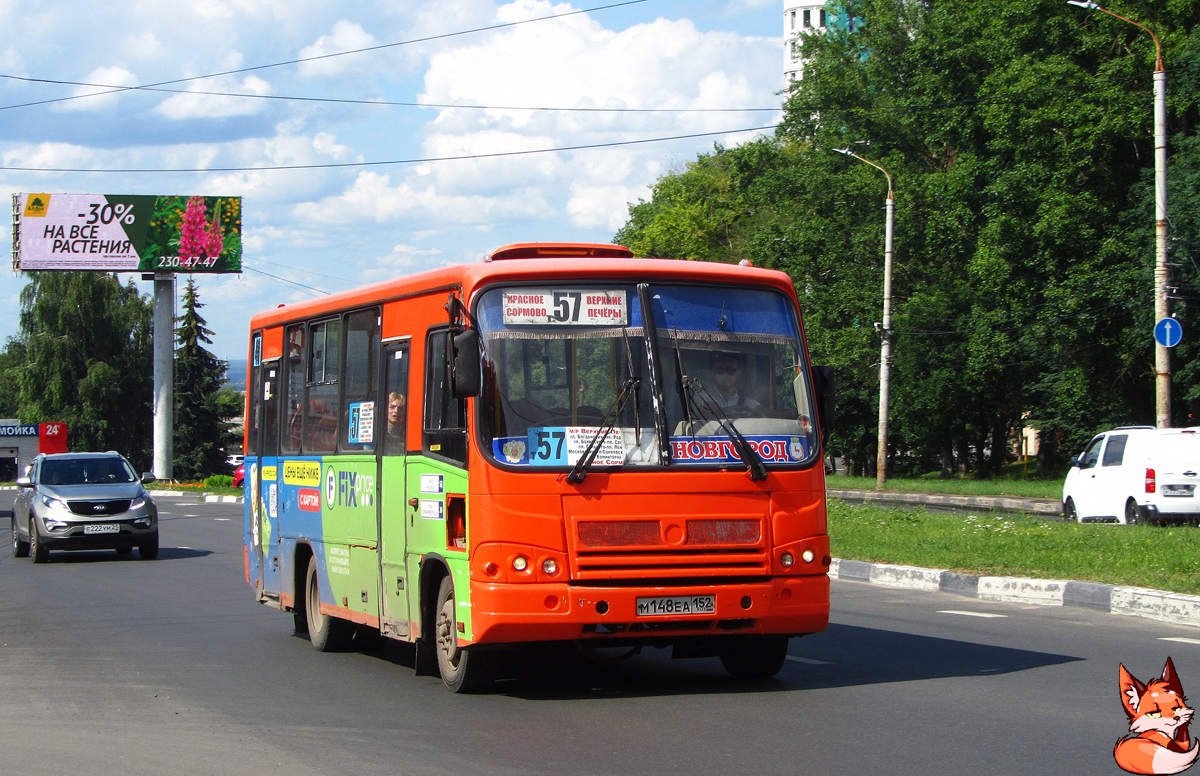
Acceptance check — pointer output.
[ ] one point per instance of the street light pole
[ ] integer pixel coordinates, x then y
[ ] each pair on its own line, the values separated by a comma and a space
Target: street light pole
885, 353
1162, 307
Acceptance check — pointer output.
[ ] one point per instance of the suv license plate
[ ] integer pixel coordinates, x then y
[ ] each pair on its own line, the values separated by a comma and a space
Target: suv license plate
96, 528
677, 604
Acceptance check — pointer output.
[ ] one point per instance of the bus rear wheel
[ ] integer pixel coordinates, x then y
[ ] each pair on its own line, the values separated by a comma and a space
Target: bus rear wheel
754, 657
461, 670
327, 633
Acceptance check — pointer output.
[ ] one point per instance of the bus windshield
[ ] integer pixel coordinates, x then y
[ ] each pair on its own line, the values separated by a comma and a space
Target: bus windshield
571, 371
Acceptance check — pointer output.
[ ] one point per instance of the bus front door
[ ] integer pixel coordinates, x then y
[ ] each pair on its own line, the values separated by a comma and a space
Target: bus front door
393, 511
264, 487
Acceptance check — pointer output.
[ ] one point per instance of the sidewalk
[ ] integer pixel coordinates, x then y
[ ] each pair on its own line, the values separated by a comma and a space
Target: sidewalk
1160, 605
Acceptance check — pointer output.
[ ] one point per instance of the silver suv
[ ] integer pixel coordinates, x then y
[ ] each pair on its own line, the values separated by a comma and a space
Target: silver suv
83, 501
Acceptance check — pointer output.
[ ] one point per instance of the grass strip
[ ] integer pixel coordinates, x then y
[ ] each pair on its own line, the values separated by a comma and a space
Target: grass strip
198, 489
986, 544
958, 487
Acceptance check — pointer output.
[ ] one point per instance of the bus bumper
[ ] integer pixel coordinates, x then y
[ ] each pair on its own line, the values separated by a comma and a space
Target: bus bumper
512, 613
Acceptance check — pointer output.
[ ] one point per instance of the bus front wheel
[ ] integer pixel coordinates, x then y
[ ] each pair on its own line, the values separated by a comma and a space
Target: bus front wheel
462, 670
328, 634
754, 657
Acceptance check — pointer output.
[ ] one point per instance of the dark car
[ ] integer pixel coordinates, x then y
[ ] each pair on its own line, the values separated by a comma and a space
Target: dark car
239, 475
83, 501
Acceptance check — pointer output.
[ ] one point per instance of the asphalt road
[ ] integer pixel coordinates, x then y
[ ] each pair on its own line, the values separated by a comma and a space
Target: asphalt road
114, 665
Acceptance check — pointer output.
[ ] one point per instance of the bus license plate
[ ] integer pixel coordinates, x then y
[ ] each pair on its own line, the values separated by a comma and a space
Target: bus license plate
98, 528
677, 604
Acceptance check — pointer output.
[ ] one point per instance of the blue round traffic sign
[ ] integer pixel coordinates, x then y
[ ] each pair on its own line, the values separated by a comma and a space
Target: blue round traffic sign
1168, 332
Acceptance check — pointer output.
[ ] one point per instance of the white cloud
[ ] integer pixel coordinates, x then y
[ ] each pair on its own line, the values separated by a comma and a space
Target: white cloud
602, 207
404, 260
334, 228
373, 198
48, 155
183, 107
107, 79
346, 36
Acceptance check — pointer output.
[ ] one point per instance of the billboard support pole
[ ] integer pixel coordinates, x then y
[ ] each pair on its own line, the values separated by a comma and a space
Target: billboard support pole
164, 374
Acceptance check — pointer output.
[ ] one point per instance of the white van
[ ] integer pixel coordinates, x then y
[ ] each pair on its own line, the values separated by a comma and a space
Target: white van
1137, 474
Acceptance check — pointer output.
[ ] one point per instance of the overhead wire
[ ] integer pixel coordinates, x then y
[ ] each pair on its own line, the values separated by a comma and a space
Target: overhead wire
317, 57
393, 103
351, 283
285, 280
387, 162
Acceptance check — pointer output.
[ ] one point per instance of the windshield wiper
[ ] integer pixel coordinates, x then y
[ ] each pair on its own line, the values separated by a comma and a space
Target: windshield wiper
710, 407
681, 381
637, 399
650, 335
579, 470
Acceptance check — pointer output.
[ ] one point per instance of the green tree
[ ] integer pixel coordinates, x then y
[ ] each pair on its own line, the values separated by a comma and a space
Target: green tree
83, 356
1020, 140
200, 419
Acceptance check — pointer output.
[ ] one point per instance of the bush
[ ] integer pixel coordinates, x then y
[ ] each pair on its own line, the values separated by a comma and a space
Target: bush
219, 481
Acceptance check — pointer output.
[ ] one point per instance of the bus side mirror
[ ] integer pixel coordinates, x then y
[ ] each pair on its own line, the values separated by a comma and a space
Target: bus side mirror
823, 386
466, 379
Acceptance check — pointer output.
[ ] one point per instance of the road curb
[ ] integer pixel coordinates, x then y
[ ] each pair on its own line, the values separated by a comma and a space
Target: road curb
202, 497
1175, 608
1035, 506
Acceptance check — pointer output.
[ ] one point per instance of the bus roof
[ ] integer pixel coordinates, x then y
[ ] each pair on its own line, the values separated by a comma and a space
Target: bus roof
528, 262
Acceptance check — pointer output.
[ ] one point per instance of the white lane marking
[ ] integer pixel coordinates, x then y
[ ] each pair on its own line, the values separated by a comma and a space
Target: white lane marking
970, 614
222, 519
1180, 639
808, 661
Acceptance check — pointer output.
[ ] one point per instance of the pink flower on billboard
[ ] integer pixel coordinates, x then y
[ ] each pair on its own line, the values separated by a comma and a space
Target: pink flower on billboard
192, 237
214, 241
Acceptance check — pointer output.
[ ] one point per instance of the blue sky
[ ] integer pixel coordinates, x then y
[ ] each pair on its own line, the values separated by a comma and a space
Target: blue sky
314, 231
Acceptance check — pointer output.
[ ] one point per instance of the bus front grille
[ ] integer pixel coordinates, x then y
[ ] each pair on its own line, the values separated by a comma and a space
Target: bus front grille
638, 536
670, 564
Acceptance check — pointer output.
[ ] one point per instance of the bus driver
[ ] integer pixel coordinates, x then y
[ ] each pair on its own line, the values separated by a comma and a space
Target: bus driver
727, 369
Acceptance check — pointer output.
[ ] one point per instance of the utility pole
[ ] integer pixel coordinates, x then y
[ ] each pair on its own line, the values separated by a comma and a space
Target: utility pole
885, 352
164, 375
1162, 304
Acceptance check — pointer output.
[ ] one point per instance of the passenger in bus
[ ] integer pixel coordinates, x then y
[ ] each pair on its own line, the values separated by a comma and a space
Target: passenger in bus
322, 426
395, 421
727, 370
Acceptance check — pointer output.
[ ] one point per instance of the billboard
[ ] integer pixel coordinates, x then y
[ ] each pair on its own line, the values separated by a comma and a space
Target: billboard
127, 233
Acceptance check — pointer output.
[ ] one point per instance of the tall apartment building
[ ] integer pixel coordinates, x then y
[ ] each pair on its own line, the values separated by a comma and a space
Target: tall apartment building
799, 18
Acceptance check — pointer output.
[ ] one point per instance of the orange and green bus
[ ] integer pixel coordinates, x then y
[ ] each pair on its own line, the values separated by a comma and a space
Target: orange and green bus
561, 443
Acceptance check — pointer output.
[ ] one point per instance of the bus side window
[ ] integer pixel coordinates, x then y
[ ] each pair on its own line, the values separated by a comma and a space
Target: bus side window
395, 422
321, 422
445, 423
293, 374
255, 394
360, 376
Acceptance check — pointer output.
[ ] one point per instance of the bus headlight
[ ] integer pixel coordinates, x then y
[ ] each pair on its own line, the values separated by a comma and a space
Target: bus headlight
787, 559
520, 563
807, 556
549, 566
